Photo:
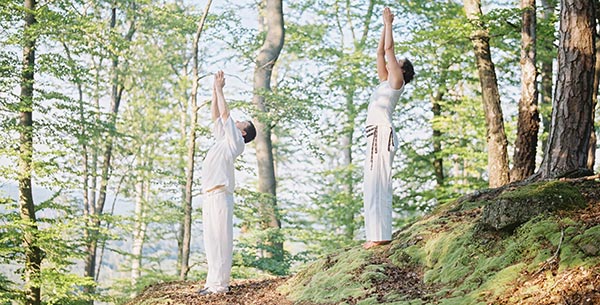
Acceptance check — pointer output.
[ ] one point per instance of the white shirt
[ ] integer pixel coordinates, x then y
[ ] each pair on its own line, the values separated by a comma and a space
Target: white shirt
217, 168
382, 104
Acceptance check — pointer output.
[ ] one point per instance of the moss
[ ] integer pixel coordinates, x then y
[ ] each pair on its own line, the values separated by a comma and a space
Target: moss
334, 284
497, 283
561, 193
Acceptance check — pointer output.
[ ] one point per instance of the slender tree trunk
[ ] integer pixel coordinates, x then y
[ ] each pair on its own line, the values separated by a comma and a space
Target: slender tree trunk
528, 123
139, 231
496, 137
96, 208
191, 153
33, 254
265, 60
347, 141
572, 109
438, 165
546, 42
593, 137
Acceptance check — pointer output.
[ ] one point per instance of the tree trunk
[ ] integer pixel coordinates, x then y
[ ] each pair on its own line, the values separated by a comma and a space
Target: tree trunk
528, 123
33, 254
438, 165
96, 208
142, 192
593, 137
572, 109
496, 137
265, 61
191, 153
546, 42
347, 141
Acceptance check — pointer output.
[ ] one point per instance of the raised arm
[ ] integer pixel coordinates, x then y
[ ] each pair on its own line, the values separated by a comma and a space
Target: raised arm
381, 69
395, 76
214, 107
221, 103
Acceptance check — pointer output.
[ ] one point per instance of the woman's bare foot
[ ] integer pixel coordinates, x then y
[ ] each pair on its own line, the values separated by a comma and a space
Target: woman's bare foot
370, 244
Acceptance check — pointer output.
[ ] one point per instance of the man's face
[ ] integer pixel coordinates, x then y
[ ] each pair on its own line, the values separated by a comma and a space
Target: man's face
242, 126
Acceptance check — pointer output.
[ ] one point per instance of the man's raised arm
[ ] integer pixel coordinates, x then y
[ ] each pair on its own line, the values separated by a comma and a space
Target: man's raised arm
221, 103
214, 106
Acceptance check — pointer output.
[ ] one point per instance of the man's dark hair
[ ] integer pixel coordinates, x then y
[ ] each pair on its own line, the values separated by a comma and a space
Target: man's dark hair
409, 71
250, 132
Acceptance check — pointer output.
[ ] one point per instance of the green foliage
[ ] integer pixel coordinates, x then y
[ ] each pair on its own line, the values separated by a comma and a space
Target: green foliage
257, 244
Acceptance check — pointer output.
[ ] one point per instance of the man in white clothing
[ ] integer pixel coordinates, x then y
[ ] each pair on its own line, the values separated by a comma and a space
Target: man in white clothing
218, 182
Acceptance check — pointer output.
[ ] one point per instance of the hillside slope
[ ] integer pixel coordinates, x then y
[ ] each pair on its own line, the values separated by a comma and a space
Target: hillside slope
454, 255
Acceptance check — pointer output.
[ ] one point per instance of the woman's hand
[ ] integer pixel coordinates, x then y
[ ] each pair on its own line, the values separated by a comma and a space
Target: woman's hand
388, 17
219, 80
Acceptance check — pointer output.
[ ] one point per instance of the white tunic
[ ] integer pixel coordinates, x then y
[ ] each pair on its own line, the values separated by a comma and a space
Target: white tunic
381, 147
218, 168
382, 104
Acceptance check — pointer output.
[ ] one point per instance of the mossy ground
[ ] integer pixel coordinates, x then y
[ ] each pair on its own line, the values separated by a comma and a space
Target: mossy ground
448, 258
445, 258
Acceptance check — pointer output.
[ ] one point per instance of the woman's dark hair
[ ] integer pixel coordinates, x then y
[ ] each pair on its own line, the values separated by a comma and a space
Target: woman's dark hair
409, 71
250, 132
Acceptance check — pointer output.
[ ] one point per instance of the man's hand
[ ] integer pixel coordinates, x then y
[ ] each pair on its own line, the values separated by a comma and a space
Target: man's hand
220, 98
388, 17
219, 80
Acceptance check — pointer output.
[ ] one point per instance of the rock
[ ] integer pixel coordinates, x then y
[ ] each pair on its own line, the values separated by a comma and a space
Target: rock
590, 249
511, 209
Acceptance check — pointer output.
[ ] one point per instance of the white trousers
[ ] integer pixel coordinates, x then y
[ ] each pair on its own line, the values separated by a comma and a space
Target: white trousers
217, 217
377, 187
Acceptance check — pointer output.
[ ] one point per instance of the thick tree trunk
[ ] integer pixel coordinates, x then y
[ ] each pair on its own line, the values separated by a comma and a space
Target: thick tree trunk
265, 61
528, 123
191, 153
496, 137
572, 109
33, 254
593, 136
546, 42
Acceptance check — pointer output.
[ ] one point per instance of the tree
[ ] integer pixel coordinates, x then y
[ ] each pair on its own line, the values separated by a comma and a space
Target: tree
95, 208
33, 254
191, 153
264, 63
528, 123
546, 55
496, 137
593, 136
568, 144
347, 83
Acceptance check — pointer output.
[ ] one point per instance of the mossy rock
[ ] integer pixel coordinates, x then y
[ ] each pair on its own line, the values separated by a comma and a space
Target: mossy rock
513, 208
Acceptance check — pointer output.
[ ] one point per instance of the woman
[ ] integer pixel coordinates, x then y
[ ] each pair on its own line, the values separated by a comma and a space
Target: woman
381, 138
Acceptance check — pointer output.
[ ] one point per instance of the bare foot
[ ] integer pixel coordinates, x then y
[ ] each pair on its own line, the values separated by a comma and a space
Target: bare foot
370, 244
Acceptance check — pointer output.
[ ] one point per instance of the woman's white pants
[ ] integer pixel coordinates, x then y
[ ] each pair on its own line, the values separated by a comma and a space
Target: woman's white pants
377, 188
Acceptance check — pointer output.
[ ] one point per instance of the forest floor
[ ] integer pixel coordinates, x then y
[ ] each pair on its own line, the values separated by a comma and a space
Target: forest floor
242, 292
550, 284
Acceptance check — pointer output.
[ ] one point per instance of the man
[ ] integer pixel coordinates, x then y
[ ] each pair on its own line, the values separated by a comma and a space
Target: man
218, 182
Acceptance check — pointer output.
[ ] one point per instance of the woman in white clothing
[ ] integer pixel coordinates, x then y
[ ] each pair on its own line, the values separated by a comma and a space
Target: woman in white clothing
381, 137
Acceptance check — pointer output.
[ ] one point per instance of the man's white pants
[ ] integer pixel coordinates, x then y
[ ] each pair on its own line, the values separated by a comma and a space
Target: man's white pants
377, 187
217, 217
